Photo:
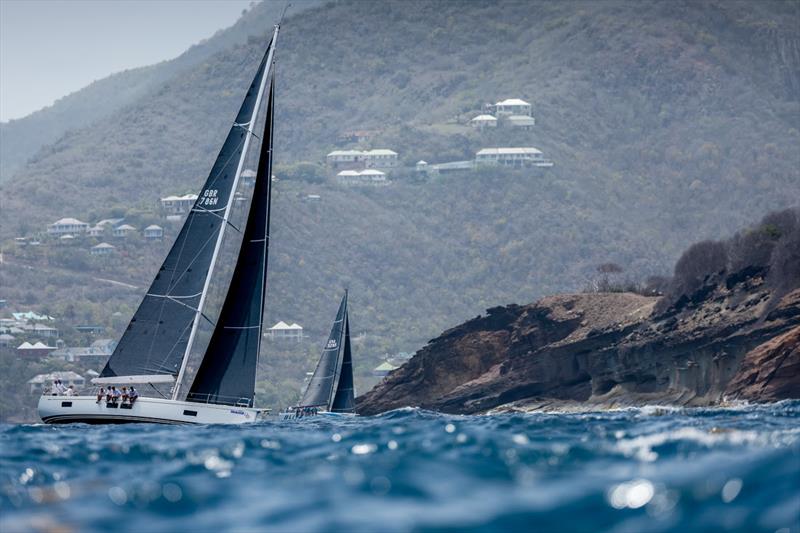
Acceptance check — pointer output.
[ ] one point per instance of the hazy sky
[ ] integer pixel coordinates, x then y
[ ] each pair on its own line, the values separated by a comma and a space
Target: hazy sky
50, 48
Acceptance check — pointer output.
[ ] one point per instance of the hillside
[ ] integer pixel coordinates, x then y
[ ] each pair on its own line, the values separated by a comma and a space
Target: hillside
728, 328
22, 138
668, 122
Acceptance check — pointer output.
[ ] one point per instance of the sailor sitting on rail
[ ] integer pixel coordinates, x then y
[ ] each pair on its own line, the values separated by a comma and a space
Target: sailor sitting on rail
132, 395
111, 395
100, 394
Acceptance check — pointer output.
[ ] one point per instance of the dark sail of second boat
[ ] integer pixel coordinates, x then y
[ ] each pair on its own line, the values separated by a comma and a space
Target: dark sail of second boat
331, 387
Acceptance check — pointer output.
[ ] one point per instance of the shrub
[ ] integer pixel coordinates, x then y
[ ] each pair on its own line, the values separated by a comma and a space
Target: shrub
694, 267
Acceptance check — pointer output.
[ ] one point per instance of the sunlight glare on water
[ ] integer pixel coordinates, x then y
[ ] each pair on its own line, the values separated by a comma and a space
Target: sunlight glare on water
411, 470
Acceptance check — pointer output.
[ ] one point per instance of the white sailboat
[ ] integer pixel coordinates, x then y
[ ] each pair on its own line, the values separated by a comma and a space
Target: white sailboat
156, 350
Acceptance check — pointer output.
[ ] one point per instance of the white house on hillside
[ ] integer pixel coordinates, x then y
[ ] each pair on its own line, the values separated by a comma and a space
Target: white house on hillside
483, 121
380, 158
513, 106
515, 157
523, 122
102, 249
368, 176
67, 226
123, 230
339, 158
38, 349
351, 159
96, 231
41, 330
282, 330
178, 205
153, 232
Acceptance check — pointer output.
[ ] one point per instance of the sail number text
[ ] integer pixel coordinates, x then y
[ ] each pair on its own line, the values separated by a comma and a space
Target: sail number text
209, 197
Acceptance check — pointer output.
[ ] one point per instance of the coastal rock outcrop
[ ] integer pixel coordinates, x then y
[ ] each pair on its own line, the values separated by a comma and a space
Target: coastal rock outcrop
734, 337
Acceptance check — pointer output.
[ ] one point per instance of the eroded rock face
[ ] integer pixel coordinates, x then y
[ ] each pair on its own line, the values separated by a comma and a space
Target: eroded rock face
771, 371
734, 338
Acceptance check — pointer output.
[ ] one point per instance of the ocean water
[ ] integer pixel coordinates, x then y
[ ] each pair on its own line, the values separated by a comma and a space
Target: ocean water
639, 470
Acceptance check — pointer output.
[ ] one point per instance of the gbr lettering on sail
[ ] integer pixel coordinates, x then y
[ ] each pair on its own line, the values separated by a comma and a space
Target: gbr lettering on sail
209, 198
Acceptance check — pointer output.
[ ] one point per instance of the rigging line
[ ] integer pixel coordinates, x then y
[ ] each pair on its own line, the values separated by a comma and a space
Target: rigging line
172, 296
210, 181
212, 178
174, 281
245, 128
191, 261
158, 391
171, 284
181, 303
201, 209
285, 8
214, 213
175, 344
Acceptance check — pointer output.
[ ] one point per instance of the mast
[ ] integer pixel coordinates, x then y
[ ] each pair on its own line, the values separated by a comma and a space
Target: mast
265, 68
227, 373
154, 346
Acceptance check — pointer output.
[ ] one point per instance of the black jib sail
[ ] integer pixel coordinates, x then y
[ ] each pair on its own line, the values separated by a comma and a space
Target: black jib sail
227, 373
333, 372
162, 330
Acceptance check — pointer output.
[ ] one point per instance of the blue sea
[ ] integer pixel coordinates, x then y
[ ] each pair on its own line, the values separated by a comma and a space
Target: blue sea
639, 470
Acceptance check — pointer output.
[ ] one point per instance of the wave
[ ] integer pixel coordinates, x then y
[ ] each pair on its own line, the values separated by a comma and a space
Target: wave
646, 469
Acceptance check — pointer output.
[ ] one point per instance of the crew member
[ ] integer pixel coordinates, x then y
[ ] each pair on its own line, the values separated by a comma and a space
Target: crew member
132, 395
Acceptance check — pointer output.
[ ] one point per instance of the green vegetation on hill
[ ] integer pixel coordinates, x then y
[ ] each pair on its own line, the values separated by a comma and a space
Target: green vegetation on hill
669, 122
20, 139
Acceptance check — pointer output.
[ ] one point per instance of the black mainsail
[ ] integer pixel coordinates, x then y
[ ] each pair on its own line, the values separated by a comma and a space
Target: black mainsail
227, 372
331, 385
159, 337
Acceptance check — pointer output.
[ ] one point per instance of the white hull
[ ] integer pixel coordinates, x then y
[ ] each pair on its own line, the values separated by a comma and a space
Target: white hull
324, 414
86, 409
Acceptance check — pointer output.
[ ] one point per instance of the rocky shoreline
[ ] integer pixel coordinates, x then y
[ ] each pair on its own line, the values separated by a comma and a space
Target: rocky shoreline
733, 338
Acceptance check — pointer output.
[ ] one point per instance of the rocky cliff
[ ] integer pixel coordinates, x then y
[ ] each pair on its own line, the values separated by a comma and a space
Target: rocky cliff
734, 337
